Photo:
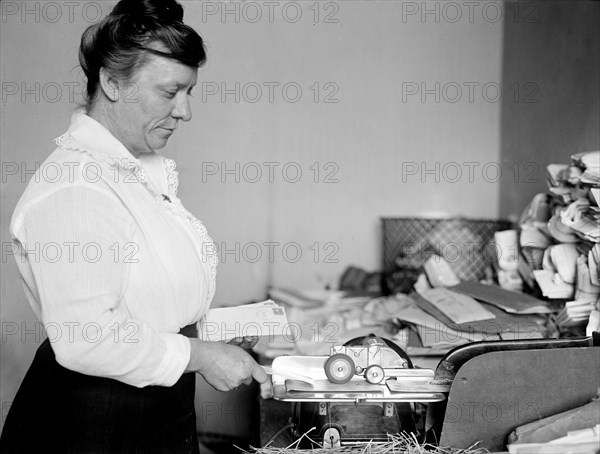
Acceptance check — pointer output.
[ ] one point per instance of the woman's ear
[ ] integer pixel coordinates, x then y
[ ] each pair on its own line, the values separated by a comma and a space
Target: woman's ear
109, 85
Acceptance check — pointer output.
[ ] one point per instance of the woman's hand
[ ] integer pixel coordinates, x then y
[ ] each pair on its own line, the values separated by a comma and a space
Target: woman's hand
224, 366
244, 342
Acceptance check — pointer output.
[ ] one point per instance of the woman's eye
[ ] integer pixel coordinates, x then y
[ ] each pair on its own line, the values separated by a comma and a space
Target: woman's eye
170, 94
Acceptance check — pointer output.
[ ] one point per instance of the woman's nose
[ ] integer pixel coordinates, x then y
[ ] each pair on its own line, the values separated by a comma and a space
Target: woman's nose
182, 109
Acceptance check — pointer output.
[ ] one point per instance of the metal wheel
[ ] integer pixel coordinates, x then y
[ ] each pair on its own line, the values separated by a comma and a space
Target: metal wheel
362, 341
374, 374
331, 439
339, 368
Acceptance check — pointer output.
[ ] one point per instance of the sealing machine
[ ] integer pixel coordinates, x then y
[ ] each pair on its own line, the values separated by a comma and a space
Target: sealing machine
368, 388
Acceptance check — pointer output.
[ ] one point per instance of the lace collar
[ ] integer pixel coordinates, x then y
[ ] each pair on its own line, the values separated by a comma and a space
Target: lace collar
86, 135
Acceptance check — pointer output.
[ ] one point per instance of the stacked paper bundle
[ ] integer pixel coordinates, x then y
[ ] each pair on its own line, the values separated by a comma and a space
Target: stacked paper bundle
560, 238
446, 317
259, 320
507, 260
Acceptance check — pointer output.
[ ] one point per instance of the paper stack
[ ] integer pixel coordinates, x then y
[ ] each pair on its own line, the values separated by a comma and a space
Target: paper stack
507, 259
264, 319
457, 307
582, 441
552, 287
561, 252
435, 334
590, 161
575, 313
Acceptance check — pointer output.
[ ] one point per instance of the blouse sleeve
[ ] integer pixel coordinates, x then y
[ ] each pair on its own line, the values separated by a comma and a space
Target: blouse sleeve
80, 276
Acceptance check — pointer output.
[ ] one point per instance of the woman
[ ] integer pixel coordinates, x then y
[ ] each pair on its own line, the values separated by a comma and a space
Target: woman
134, 272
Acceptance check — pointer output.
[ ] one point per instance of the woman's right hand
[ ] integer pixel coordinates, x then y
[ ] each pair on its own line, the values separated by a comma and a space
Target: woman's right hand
223, 366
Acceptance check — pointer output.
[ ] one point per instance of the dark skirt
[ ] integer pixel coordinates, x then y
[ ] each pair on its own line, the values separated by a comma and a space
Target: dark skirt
58, 410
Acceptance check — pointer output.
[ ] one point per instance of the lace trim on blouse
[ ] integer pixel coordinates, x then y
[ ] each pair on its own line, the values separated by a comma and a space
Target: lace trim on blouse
173, 204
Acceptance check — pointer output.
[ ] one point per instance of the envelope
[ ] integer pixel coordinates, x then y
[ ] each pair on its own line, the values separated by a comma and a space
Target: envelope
457, 307
264, 319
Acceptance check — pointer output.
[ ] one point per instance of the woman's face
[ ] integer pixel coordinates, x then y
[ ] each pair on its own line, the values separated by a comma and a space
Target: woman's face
152, 103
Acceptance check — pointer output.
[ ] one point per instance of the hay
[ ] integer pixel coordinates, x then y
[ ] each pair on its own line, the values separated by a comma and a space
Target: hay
396, 444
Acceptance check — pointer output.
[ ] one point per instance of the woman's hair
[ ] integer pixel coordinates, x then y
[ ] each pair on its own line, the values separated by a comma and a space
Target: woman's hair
121, 42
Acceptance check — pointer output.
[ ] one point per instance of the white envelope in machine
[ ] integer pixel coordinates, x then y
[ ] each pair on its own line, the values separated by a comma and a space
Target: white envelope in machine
264, 319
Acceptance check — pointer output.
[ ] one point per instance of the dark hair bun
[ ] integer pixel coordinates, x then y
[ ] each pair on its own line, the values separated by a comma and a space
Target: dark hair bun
121, 42
164, 11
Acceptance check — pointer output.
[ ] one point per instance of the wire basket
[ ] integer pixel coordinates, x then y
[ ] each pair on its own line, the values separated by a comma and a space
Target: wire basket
466, 244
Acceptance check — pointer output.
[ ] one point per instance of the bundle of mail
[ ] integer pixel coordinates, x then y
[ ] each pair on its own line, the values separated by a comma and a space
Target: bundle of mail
263, 320
446, 317
560, 239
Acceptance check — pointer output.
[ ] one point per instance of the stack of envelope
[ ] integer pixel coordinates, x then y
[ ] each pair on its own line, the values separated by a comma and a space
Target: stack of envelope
590, 162
582, 219
263, 320
445, 318
575, 313
573, 222
561, 179
507, 259
560, 239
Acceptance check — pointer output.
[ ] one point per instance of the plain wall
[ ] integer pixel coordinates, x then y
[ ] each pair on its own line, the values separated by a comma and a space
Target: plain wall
555, 61
363, 142
380, 150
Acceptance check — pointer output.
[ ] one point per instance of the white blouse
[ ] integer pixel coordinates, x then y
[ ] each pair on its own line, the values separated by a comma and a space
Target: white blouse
112, 263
